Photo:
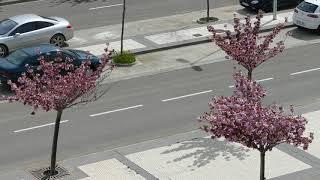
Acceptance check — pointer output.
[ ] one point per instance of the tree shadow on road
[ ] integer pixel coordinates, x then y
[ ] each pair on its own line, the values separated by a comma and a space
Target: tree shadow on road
205, 150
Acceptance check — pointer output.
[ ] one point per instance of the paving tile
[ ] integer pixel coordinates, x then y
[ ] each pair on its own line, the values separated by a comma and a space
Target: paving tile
313, 126
109, 169
128, 44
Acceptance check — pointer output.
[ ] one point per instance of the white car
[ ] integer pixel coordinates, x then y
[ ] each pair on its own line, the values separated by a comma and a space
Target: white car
30, 29
307, 14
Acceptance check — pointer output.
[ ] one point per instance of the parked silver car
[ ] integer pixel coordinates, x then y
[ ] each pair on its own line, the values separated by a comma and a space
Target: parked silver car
30, 29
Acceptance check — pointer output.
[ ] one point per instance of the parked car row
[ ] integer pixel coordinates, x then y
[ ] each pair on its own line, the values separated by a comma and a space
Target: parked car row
267, 5
306, 14
26, 38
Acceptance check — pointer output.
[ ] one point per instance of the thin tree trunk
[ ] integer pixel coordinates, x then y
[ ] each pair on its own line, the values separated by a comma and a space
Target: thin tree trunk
208, 9
262, 165
55, 142
122, 28
249, 74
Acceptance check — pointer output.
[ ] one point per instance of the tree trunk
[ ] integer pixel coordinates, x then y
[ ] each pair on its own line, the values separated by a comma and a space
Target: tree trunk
55, 142
262, 165
250, 74
122, 28
208, 9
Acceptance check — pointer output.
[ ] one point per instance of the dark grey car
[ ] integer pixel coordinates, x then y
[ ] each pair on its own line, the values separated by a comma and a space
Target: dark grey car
30, 29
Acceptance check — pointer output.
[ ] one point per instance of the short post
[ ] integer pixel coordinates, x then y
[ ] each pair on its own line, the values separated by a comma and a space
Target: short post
275, 9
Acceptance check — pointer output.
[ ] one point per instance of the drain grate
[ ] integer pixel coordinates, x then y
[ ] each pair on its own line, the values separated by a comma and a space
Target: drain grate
196, 35
39, 173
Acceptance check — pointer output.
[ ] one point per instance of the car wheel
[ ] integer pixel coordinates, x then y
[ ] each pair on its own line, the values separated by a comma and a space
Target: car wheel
58, 40
267, 7
318, 30
3, 50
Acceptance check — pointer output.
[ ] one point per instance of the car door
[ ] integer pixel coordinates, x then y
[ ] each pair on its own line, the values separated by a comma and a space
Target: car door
23, 35
44, 32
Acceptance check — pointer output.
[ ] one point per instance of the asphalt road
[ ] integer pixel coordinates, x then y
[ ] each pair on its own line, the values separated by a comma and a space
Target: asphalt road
148, 107
94, 13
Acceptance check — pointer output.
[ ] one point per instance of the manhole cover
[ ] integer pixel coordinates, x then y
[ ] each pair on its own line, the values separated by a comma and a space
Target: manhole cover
196, 35
40, 173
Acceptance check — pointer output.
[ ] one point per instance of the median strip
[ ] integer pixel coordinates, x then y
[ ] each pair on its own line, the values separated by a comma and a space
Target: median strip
188, 95
309, 70
261, 80
36, 127
122, 109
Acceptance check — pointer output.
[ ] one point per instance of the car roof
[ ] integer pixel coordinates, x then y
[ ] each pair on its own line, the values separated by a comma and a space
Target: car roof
24, 18
43, 48
316, 2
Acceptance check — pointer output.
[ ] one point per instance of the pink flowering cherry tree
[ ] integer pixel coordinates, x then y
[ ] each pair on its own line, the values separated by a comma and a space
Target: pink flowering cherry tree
246, 46
242, 118
57, 85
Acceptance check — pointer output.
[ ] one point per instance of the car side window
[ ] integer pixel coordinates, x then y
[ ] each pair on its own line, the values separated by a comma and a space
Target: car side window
28, 27
42, 24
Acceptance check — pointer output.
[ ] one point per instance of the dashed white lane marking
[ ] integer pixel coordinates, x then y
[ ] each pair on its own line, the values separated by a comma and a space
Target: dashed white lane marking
36, 127
261, 80
188, 95
122, 109
309, 70
113, 5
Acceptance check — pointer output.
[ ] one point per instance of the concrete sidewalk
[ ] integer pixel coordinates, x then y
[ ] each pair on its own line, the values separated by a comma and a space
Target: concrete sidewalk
162, 34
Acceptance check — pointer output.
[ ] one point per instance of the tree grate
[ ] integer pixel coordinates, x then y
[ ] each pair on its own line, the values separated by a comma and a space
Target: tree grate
39, 173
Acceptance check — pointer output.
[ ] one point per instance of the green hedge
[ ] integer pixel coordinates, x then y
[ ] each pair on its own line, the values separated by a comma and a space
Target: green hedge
124, 58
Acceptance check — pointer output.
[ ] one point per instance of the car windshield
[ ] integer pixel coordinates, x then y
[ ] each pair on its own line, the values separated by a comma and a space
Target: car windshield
17, 57
307, 7
6, 25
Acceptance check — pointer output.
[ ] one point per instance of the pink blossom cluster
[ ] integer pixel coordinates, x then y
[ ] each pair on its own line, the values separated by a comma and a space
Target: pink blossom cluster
242, 118
245, 45
58, 84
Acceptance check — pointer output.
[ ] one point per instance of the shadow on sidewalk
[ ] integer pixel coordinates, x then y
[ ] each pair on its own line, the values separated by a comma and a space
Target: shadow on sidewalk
193, 64
205, 150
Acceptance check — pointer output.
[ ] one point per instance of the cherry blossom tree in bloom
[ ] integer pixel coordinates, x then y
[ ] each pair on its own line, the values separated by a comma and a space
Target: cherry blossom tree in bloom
57, 85
242, 118
245, 45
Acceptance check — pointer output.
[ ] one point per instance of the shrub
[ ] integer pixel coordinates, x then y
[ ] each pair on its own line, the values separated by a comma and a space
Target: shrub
124, 58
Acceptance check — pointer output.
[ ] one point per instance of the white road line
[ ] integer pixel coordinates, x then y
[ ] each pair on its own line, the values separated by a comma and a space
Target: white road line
122, 109
36, 127
309, 70
105, 6
179, 97
261, 80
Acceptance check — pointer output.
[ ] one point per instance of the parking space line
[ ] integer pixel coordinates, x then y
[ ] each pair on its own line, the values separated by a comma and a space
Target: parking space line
36, 127
122, 109
305, 71
114, 5
261, 80
188, 95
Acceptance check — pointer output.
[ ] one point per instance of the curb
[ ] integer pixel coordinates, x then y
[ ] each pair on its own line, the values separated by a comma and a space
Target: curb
15, 2
197, 41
